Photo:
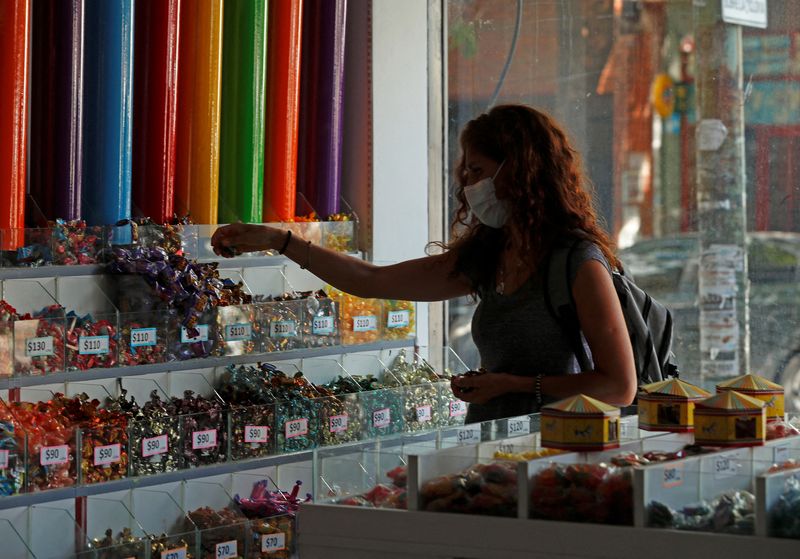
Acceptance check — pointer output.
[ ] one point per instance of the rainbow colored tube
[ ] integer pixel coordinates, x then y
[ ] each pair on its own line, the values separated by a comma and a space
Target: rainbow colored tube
322, 87
107, 104
56, 105
241, 173
199, 85
283, 98
14, 38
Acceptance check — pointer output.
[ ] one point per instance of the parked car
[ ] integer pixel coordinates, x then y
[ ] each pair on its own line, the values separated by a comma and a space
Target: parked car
667, 268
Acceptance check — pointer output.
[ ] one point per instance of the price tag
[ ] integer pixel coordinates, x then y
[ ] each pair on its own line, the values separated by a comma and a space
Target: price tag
238, 332
296, 427
3, 459
673, 477
519, 426
424, 414
202, 334
204, 439
141, 337
92, 345
256, 433
39, 347
458, 408
398, 319
381, 418
322, 325
177, 553
273, 542
469, 435
154, 446
108, 454
365, 323
724, 467
780, 454
283, 329
338, 423
226, 550
53, 455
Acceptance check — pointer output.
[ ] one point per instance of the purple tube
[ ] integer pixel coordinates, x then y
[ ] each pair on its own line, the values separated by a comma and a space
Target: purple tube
321, 92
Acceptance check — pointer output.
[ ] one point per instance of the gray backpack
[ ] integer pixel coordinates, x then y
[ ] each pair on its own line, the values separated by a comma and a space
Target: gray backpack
649, 322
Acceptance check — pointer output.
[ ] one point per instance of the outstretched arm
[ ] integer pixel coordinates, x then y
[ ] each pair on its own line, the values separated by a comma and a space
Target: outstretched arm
423, 279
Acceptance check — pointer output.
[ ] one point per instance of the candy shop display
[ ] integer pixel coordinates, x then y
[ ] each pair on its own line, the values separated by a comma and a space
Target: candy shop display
399, 318
757, 387
780, 430
31, 344
669, 405
580, 423
62, 243
360, 319
90, 342
273, 514
730, 419
339, 417
120, 545
425, 403
247, 391
382, 408
732, 512
203, 428
219, 529
240, 329
598, 493
304, 319
386, 496
489, 489
784, 516
339, 233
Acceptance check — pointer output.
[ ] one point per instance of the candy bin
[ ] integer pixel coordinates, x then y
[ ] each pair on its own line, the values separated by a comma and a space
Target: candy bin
240, 324
400, 320
382, 407
321, 320
423, 399
340, 414
447, 363
772, 394
779, 492
223, 529
104, 446
13, 445
361, 319
580, 423
169, 529
283, 324
251, 406
37, 322
297, 412
339, 233
202, 424
669, 405
74, 242
730, 419
52, 527
112, 531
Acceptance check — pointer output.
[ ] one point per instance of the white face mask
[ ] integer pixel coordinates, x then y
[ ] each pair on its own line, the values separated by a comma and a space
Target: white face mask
483, 202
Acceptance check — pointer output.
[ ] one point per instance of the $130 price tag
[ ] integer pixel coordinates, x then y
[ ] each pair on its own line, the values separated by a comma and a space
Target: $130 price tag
256, 433
381, 418
154, 446
468, 435
204, 439
108, 454
93, 345
322, 325
39, 347
296, 427
141, 337
365, 323
52, 455
338, 423
273, 542
226, 550
177, 553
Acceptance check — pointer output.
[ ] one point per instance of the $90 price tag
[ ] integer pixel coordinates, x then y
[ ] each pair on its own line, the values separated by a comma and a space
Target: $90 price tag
52, 455
468, 435
141, 337
154, 446
39, 347
322, 325
381, 418
204, 439
273, 542
177, 553
458, 408
108, 454
93, 345
338, 423
365, 323
424, 414
226, 550
673, 476
296, 427
256, 433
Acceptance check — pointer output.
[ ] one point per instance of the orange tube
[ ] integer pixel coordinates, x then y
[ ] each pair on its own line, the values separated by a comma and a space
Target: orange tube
283, 97
199, 86
14, 40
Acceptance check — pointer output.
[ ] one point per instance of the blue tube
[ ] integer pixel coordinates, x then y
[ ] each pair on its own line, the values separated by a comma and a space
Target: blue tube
107, 105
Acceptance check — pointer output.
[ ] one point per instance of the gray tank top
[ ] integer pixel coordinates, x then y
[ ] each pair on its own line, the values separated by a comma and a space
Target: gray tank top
515, 333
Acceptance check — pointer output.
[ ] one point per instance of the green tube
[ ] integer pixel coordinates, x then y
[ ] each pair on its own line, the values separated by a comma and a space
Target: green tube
244, 64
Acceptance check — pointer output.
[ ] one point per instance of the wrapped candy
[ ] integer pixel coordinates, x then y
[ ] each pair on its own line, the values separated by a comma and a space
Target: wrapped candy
74, 242
12, 475
218, 527
425, 403
784, 516
388, 496
121, 546
730, 513
339, 417
90, 343
360, 318
264, 503
489, 489
382, 407
247, 391
273, 538
203, 429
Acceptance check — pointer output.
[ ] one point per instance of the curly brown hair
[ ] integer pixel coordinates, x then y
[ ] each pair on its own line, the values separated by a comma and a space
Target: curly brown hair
547, 191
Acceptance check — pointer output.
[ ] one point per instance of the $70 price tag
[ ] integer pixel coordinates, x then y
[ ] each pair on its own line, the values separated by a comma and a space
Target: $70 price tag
273, 542
177, 553
226, 550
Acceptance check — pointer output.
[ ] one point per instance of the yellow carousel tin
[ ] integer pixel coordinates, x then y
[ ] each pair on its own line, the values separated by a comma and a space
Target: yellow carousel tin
730, 419
668, 405
760, 388
580, 423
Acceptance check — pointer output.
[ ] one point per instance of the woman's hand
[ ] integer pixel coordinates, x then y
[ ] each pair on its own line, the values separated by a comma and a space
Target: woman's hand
236, 238
479, 389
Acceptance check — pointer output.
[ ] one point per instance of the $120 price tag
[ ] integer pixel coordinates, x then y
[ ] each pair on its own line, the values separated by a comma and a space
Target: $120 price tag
93, 345
178, 553
204, 439
296, 427
154, 446
108, 454
468, 435
226, 550
322, 325
39, 347
141, 337
256, 433
338, 423
365, 323
273, 542
519, 426
52, 455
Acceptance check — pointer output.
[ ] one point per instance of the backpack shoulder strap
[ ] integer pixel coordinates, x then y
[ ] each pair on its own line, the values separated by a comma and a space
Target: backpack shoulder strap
559, 301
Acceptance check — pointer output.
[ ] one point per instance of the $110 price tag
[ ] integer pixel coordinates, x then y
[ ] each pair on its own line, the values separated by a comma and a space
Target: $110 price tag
53, 455
283, 329
204, 439
154, 446
108, 454
338, 423
226, 550
93, 345
238, 332
141, 337
296, 427
39, 347
273, 542
256, 433
398, 319
365, 323
322, 325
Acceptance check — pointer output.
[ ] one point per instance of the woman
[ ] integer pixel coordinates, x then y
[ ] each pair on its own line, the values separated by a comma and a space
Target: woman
520, 196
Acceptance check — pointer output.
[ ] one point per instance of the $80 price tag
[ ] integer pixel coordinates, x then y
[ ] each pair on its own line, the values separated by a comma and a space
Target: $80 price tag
204, 439
93, 345
256, 433
52, 455
108, 454
296, 427
273, 542
154, 446
141, 337
226, 550
39, 347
